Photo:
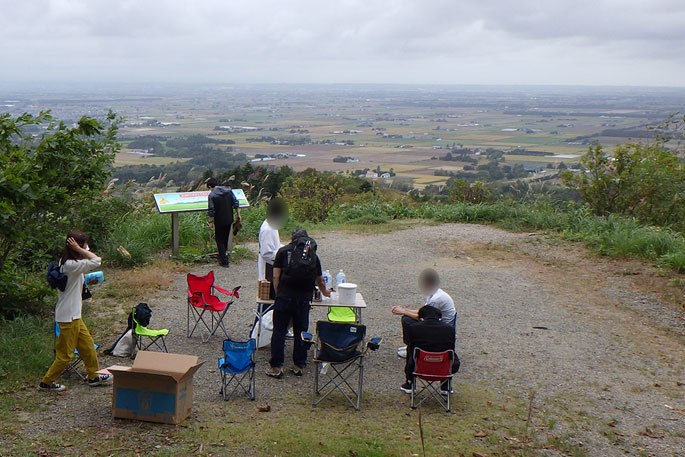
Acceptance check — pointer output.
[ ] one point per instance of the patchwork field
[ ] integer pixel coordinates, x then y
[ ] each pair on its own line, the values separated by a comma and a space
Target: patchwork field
399, 127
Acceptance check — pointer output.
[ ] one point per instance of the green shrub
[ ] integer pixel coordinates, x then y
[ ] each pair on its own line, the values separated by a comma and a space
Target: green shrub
24, 291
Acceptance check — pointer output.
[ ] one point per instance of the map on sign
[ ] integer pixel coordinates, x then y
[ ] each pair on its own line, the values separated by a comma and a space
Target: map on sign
191, 201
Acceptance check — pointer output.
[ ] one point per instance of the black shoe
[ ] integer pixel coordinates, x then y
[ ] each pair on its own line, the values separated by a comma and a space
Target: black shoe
406, 387
52, 387
445, 388
225, 265
297, 371
100, 380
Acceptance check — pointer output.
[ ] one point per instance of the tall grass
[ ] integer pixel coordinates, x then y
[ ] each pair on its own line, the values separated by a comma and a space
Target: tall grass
26, 349
145, 232
613, 235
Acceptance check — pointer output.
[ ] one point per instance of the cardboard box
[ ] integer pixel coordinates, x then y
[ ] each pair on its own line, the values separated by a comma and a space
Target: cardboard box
263, 289
157, 388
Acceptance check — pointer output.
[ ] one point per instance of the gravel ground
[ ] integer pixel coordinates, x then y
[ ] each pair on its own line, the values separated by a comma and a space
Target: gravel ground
609, 359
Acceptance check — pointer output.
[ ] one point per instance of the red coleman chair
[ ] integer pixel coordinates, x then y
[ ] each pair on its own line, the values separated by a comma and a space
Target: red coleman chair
434, 371
201, 300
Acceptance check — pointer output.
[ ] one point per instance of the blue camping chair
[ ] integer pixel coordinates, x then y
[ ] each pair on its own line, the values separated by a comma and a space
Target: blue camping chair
237, 368
339, 355
75, 360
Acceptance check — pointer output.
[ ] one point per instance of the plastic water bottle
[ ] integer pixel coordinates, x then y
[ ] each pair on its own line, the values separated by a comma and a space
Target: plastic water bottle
339, 278
328, 279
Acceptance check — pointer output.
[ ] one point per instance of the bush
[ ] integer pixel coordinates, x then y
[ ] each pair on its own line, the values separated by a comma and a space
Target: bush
646, 181
311, 195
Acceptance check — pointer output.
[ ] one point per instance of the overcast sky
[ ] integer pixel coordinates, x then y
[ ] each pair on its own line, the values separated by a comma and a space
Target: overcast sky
601, 42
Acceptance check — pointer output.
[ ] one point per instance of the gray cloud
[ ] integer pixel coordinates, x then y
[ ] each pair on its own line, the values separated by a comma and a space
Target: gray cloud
639, 42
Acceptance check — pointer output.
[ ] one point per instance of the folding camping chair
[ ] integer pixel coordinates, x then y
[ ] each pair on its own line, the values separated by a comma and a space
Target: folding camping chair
75, 361
238, 364
145, 338
432, 370
201, 299
339, 355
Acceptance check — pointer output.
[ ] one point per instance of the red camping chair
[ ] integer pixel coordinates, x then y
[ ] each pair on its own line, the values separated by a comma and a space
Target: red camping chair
434, 371
201, 299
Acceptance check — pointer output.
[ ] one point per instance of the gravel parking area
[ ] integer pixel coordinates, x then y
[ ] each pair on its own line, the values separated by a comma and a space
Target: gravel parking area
533, 316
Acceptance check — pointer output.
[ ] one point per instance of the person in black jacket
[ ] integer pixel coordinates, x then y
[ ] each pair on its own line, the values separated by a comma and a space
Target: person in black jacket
221, 203
430, 334
297, 269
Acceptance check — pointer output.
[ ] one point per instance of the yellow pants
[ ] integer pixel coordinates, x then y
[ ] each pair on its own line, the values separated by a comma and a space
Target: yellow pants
73, 335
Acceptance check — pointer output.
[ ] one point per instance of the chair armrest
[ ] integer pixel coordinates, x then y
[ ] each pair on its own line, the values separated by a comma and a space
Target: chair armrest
235, 292
307, 337
374, 343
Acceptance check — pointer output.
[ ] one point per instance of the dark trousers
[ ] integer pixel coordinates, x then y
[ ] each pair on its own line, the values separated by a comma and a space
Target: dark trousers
285, 309
222, 233
269, 276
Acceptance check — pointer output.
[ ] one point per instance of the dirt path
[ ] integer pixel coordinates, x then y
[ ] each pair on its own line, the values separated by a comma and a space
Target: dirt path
606, 364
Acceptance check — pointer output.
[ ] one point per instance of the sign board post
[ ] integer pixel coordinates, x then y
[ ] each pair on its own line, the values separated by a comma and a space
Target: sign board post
174, 234
183, 202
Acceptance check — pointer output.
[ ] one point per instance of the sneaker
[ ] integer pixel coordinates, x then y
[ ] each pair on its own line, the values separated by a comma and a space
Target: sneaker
289, 334
297, 371
406, 387
402, 352
52, 387
101, 380
275, 372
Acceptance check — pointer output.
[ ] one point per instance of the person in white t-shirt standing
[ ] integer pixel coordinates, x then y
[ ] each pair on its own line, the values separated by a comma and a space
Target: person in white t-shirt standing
429, 282
270, 240
75, 261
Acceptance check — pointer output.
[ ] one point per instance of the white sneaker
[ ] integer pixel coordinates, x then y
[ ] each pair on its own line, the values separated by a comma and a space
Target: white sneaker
402, 352
289, 334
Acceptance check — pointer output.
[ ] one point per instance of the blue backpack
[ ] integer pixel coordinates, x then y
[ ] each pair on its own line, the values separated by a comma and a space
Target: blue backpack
56, 279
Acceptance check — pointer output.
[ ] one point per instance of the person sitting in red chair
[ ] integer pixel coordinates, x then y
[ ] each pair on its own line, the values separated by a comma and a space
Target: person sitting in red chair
430, 334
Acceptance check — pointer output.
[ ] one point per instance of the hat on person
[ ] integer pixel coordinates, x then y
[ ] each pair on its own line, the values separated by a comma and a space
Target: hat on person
299, 233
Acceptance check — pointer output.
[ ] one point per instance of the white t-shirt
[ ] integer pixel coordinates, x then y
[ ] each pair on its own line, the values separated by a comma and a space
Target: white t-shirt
269, 244
69, 302
442, 301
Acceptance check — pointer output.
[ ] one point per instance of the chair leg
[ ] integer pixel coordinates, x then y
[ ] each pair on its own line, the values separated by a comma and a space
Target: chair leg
413, 392
361, 381
339, 381
252, 384
317, 368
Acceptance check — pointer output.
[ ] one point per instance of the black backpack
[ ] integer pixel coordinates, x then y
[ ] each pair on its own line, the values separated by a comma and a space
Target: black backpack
142, 313
56, 279
302, 261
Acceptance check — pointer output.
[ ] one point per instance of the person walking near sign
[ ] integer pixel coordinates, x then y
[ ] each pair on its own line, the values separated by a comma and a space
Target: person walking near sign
221, 203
